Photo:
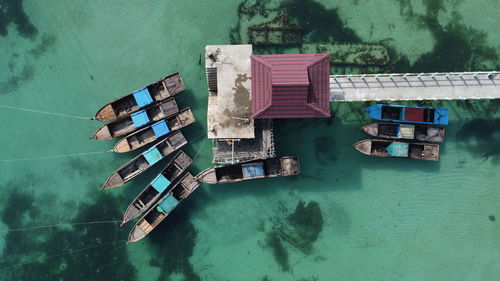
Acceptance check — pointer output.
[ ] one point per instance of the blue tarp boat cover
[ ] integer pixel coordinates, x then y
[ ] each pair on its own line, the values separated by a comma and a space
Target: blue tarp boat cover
253, 170
160, 183
142, 97
140, 118
160, 128
398, 149
152, 155
167, 204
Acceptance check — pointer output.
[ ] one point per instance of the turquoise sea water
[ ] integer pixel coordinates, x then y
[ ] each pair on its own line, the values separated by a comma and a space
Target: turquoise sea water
368, 218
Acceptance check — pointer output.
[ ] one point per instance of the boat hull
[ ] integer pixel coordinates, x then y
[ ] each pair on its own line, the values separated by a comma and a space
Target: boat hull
250, 170
137, 120
160, 90
429, 133
389, 148
145, 160
148, 134
408, 114
184, 187
156, 188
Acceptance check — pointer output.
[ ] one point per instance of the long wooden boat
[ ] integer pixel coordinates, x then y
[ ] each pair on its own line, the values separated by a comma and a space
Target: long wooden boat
256, 169
137, 120
389, 148
145, 160
408, 114
162, 89
405, 131
155, 131
186, 185
158, 186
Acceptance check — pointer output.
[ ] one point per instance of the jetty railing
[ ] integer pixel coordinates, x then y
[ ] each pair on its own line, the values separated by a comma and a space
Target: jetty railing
415, 86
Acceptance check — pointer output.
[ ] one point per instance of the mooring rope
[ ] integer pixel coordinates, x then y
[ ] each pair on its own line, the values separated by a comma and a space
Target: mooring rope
199, 150
62, 224
52, 156
46, 112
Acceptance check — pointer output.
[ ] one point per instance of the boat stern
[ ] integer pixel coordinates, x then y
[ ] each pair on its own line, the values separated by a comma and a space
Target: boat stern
290, 165
364, 146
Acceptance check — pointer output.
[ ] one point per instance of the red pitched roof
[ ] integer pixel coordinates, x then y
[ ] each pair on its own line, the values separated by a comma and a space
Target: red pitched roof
291, 86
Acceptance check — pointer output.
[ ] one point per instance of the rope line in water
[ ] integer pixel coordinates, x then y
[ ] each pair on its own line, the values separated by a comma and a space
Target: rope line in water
199, 150
46, 112
53, 156
62, 224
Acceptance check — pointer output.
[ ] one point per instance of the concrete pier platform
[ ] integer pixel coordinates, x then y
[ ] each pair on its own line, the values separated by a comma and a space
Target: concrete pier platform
229, 101
415, 86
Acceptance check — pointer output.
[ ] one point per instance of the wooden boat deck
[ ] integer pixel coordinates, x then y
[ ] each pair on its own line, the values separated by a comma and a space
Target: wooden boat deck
150, 195
184, 187
430, 133
379, 147
139, 164
272, 167
146, 135
126, 125
160, 90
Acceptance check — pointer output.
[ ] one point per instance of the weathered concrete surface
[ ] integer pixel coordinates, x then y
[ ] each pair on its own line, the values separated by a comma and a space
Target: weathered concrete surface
428, 86
232, 101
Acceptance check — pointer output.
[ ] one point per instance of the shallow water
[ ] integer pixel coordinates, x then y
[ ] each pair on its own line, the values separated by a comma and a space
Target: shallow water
381, 219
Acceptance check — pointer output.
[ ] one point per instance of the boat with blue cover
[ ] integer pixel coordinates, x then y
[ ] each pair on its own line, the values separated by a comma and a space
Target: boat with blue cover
160, 90
181, 190
155, 131
256, 169
137, 120
408, 114
155, 189
389, 148
145, 160
418, 132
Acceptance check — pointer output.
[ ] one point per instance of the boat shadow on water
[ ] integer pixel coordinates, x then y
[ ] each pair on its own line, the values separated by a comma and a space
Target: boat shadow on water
188, 99
481, 138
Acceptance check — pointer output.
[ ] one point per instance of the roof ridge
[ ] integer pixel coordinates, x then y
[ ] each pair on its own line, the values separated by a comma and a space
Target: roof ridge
264, 109
319, 110
260, 60
319, 59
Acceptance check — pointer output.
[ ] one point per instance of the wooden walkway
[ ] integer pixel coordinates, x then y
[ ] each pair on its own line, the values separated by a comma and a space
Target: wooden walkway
415, 86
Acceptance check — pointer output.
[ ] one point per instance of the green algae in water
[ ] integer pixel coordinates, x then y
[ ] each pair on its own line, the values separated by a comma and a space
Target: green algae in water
307, 222
108, 47
321, 24
280, 253
88, 252
12, 13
